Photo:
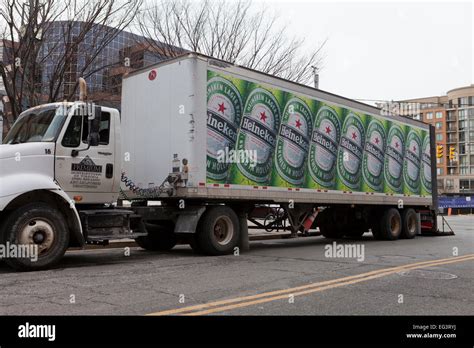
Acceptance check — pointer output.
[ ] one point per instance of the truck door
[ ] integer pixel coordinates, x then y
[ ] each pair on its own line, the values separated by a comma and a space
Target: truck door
87, 175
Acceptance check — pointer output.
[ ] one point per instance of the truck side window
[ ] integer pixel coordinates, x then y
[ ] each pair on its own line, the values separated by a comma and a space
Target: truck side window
72, 137
104, 131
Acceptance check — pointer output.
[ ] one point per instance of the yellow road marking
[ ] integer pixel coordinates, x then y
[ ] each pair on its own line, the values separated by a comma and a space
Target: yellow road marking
309, 288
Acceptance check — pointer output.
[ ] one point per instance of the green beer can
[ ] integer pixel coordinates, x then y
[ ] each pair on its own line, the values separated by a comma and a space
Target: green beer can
412, 163
349, 155
224, 113
257, 136
426, 164
292, 144
373, 157
393, 161
324, 142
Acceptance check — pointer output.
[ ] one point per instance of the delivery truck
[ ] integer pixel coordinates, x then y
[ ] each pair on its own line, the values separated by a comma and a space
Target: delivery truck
199, 144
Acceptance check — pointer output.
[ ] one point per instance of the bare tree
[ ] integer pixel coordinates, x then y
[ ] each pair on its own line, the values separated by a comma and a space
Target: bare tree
230, 30
48, 44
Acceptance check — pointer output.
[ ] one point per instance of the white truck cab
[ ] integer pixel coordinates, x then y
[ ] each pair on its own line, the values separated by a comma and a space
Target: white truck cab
56, 158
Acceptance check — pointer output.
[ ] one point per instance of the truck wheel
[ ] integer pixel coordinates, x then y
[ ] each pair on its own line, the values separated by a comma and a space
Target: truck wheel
391, 225
38, 225
218, 231
410, 223
160, 238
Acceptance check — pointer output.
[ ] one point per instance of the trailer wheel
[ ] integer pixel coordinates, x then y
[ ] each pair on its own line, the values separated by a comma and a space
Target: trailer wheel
218, 231
410, 223
38, 225
329, 227
391, 225
159, 238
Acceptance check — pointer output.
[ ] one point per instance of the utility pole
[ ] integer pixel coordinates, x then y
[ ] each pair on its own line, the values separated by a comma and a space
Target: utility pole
316, 76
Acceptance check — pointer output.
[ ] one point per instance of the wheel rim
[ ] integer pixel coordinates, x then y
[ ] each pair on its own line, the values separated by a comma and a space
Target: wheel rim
223, 230
38, 232
411, 224
394, 224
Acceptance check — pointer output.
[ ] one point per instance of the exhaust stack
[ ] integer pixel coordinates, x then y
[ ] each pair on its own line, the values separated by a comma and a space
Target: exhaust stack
82, 89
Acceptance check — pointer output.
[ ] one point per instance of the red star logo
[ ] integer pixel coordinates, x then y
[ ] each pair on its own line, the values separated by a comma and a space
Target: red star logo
354, 136
298, 124
222, 108
377, 140
397, 145
328, 130
263, 117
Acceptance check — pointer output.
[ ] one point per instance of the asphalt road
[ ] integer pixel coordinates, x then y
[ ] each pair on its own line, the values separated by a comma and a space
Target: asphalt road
276, 277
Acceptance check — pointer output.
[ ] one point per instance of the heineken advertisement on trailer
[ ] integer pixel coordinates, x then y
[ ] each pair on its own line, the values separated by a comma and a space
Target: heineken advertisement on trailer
258, 135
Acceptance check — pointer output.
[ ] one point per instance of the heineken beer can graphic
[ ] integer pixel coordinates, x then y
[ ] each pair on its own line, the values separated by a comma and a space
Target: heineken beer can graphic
292, 145
393, 161
224, 113
373, 157
257, 136
324, 142
349, 155
426, 165
412, 163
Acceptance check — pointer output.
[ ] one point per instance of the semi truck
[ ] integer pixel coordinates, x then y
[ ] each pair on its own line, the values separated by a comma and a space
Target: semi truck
198, 145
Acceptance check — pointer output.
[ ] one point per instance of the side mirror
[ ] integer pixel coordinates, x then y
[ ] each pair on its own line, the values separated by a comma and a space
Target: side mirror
94, 126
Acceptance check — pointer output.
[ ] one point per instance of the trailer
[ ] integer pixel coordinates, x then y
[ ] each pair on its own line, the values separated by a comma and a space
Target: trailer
199, 147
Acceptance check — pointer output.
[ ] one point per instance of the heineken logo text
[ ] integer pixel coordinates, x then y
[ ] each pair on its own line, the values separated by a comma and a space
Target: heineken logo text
374, 151
221, 125
324, 141
394, 154
352, 147
259, 130
412, 157
298, 139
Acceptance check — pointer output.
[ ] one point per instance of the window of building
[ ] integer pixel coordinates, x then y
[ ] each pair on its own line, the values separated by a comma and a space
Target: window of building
440, 160
449, 183
464, 170
440, 183
439, 137
429, 115
439, 114
439, 125
439, 171
464, 184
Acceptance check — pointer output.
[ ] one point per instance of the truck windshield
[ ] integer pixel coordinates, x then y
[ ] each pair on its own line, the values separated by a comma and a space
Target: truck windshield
37, 125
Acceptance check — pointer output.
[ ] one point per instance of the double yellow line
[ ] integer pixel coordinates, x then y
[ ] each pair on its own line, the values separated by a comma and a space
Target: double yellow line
239, 302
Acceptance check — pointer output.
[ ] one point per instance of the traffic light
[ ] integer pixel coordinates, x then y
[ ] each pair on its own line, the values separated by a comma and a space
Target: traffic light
452, 153
439, 151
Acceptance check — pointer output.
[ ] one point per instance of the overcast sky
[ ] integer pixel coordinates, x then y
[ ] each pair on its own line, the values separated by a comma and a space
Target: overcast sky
387, 50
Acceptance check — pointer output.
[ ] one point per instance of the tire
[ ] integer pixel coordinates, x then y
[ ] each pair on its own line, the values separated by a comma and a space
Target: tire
410, 223
218, 231
36, 224
329, 227
390, 225
332, 231
160, 238
268, 219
